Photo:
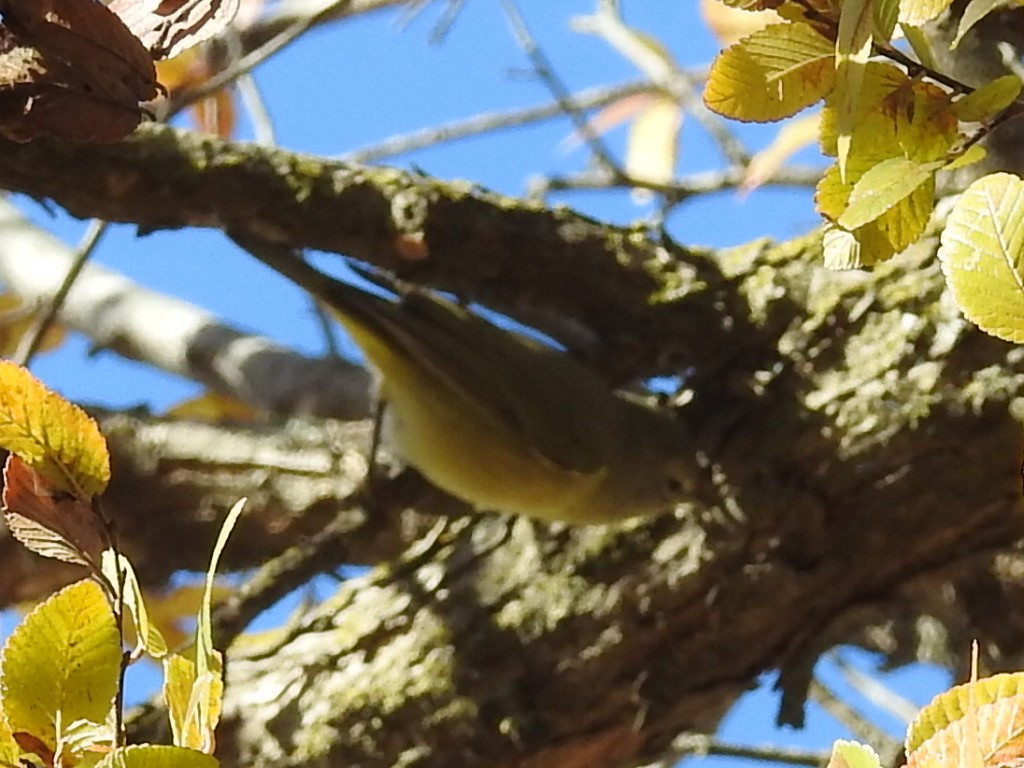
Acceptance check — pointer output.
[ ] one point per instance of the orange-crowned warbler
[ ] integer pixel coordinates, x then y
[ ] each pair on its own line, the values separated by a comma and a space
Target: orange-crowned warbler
503, 421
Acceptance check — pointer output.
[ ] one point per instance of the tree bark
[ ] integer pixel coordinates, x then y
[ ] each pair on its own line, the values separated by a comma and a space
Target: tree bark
861, 445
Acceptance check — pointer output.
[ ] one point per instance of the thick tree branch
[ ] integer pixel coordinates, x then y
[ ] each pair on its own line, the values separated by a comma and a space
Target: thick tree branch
174, 335
616, 282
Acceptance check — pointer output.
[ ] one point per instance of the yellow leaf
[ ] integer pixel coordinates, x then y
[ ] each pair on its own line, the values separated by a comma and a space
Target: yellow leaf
853, 49
193, 702
729, 25
920, 45
9, 750
917, 12
973, 154
985, 716
882, 187
840, 249
989, 100
975, 11
61, 664
168, 611
156, 756
16, 319
119, 572
850, 754
981, 255
897, 117
194, 687
791, 138
57, 439
771, 74
880, 82
892, 231
653, 141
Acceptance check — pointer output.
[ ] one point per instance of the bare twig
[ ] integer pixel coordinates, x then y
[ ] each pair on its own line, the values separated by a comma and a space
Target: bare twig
706, 182
87, 246
492, 121
542, 66
703, 745
886, 745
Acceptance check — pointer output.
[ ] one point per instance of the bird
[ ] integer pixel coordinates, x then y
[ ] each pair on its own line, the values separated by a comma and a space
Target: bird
497, 418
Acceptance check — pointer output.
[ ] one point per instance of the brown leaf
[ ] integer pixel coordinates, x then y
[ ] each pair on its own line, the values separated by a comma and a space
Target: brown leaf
53, 80
50, 523
86, 35
168, 27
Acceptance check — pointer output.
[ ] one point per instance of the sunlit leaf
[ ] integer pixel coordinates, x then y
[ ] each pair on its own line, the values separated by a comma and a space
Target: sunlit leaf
57, 439
120, 573
975, 11
850, 754
61, 664
653, 142
853, 49
989, 100
193, 682
981, 255
985, 717
771, 74
730, 25
157, 756
917, 12
50, 523
882, 187
793, 136
973, 154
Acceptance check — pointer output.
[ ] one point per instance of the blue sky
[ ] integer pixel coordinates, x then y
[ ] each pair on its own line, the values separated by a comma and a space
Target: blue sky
348, 86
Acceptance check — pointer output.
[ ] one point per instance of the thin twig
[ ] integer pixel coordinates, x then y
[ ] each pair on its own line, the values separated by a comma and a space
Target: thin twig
492, 121
249, 93
862, 729
255, 57
544, 70
874, 691
703, 745
703, 183
30, 342
664, 74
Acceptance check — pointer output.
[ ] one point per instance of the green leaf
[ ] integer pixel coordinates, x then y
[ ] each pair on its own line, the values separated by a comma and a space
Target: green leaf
850, 754
917, 12
194, 687
882, 187
147, 637
853, 49
57, 439
986, 715
771, 74
157, 756
989, 100
61, 664
9, 750
981, 255
973, 154
975, 11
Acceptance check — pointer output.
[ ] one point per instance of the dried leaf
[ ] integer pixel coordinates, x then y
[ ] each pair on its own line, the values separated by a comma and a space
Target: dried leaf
70, 69
85, 34
48, 522
168, 27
